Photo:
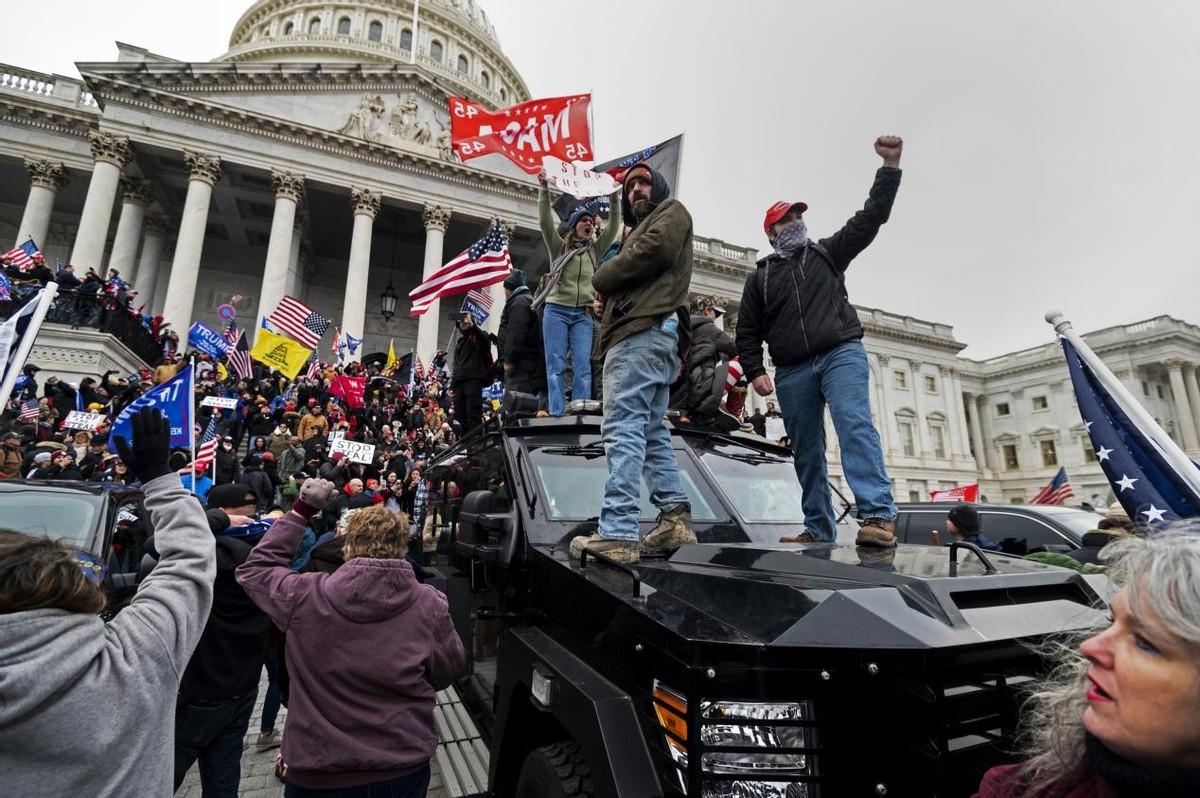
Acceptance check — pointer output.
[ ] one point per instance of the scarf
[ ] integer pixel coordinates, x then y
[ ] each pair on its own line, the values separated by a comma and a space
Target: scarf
791, 238
556, 270
1129, 779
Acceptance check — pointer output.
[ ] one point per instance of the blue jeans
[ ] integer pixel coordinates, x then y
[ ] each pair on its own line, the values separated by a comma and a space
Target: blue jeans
841, 379
273, 699
212, 732
638, 373
561, 326
414, 785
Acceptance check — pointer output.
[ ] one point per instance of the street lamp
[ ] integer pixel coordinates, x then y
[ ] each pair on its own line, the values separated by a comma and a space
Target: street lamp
388, 299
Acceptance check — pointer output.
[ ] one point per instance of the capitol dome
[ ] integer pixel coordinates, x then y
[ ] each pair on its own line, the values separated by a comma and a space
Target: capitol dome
455, 41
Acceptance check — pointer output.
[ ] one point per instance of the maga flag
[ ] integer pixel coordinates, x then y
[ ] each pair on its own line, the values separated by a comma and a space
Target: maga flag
963, 493
280, 353
523, 133
349, 389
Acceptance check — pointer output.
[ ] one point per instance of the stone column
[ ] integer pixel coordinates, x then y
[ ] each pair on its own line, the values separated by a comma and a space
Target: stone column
955, 439
288, 189
1193, 392
203, 173
111, 154
436, 219
45, 179
135, 196
148, 264
918, 388
294, 285
885, 408
982, 412
1183, 408
354, 308
977, 432
164, 274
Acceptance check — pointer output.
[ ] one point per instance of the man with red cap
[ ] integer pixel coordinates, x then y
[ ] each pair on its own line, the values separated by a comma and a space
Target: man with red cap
796, 302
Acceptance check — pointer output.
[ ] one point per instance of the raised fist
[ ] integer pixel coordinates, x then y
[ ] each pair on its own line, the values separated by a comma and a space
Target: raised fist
316, 493
542, 178
889, 148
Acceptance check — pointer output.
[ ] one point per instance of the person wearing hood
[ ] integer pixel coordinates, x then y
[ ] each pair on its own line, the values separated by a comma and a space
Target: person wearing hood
519, 339
473, 368
260, 482
567, 294
797, 303
361, 711
278, 441
698, 392
644, 334
219, 687
226, 468
74, 689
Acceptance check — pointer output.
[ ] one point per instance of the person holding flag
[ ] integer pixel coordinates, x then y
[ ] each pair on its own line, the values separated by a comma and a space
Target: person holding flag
567, 294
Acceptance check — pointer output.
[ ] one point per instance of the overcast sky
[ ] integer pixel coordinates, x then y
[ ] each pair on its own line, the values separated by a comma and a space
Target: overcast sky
1050, 147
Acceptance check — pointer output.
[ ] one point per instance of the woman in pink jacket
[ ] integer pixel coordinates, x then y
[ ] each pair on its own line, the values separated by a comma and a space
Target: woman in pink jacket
367, 648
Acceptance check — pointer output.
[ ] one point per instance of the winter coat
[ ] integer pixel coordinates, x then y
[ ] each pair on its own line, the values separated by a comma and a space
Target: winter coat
362, 709
74, 689
311, 425
261, 486
1092, 543
472, 356
574, 288
10, 461
291, 460
277, 444
702, 385
1005, 782
649, 279
799, 305
520, 338
226, 467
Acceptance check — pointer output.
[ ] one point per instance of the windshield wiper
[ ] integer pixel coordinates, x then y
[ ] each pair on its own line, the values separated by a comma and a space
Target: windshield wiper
755, 458
591, 450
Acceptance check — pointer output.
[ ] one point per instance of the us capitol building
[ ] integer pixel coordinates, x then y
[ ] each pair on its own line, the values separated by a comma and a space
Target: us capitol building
313, 159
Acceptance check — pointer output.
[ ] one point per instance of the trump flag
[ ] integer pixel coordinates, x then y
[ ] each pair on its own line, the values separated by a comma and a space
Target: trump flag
524, 133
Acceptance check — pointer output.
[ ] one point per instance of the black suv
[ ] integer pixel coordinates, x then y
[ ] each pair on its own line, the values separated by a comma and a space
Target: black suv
1020, 529
104, 522
738, 666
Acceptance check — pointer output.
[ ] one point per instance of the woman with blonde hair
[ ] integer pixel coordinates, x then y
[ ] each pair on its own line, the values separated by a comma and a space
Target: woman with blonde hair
367, 646
1120, 715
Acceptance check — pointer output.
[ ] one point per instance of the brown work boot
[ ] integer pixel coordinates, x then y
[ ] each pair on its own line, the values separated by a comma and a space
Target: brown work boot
673, 529
622, 551
803, 537
878, 533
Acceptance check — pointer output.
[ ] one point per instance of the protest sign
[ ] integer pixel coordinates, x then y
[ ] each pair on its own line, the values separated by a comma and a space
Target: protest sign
205, 339
577, 181
223, 402
355, 452
775, 428
963, 493
280, 353
473, 305
77, 419
336, 435
525, 132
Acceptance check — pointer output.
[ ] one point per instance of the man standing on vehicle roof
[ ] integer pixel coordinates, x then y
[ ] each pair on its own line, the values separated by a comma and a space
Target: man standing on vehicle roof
797, 302
644, 333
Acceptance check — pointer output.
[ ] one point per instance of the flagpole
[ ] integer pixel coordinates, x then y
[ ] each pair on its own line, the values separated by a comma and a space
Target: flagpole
1182, 464
25, 344
192, 415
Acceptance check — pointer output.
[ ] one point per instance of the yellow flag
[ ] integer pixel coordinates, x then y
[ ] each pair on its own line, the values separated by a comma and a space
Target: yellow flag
280, 353
391, 361
222, 372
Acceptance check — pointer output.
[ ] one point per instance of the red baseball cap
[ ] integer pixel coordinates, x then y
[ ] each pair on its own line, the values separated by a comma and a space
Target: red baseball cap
779, 210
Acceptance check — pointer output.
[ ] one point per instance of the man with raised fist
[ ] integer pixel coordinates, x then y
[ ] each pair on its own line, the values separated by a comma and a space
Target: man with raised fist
796, 301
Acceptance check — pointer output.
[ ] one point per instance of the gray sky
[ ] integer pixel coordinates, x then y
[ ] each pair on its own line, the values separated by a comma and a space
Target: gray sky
1050, 146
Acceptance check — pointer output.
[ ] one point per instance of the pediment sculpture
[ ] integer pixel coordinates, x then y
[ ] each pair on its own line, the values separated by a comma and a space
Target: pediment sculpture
403, 127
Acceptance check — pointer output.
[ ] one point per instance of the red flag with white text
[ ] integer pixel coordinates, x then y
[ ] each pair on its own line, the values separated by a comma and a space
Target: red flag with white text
349, 389
963, 493
523, 133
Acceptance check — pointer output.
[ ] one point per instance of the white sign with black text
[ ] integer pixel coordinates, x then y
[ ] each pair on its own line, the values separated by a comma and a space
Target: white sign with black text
77, 419
224, 402
577, 181
355, 451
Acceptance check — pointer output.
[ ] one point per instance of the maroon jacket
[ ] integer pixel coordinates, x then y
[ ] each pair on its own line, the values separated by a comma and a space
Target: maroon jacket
367, 647
1005, 782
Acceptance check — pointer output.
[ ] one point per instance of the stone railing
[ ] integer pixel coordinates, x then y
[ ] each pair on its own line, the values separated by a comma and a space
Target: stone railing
718, 249
76, 309
26, 81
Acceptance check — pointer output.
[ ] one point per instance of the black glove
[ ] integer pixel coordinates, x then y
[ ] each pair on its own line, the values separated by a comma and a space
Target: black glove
147, 457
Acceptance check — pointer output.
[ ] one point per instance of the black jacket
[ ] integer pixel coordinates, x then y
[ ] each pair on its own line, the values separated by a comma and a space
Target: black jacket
799, 305
520, 336
472, 356
702, 385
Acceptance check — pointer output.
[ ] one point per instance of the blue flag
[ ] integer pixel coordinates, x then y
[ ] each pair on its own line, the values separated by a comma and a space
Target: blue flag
173, 398
1144, 480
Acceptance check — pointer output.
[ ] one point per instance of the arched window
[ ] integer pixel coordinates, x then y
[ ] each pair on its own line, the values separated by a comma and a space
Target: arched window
375, 31
463, 66
485, 79
314, 26
289, 29
503, 94
344, 26
435, 51
406, 39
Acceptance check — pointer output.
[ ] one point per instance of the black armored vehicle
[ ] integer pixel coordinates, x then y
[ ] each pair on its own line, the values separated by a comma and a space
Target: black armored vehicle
738, 666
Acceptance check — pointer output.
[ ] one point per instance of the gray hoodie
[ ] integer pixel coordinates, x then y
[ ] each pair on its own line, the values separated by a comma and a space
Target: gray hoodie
88, 708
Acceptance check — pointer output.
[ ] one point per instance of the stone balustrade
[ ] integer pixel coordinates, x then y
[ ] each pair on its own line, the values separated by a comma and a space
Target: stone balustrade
26, 81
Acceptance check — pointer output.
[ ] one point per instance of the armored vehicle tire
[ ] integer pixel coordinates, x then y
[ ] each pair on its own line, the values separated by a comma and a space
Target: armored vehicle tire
555, 771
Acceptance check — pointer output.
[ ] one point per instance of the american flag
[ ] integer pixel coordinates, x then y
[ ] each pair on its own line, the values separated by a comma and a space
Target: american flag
24, 256
314, 367
5, 288
239, 358
231, 332
336, 346
484, 263
1057, 492
297, 320
29, 410
207, 449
